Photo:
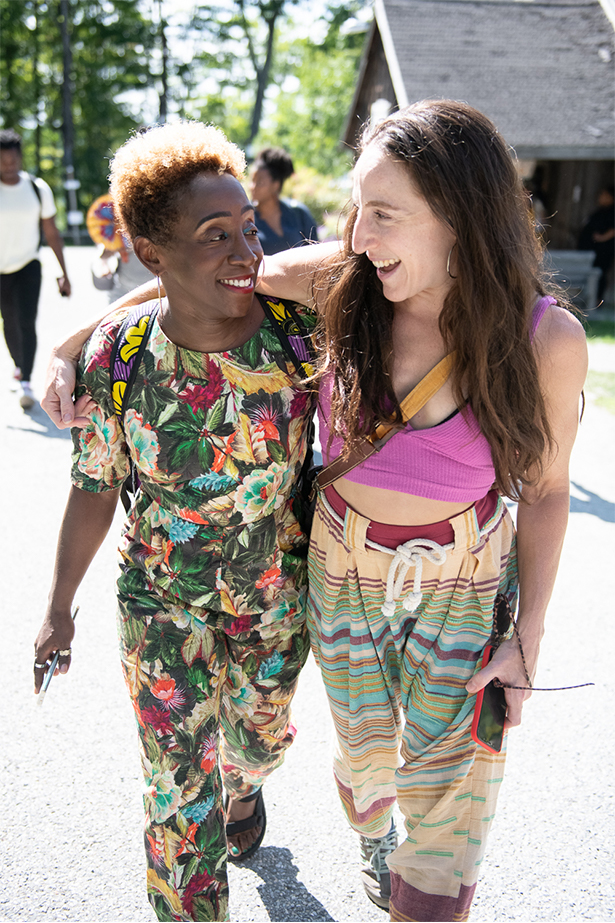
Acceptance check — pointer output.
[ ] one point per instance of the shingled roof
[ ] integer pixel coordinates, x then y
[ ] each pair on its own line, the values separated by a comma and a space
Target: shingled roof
542, 71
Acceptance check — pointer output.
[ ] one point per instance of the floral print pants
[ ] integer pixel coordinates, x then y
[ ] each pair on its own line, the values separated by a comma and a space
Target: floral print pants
213, 711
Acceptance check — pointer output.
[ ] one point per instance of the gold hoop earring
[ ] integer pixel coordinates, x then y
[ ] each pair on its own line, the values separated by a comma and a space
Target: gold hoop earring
448, 262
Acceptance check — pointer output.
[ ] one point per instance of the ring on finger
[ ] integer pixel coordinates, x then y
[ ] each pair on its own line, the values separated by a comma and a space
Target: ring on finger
40, 666
65, 653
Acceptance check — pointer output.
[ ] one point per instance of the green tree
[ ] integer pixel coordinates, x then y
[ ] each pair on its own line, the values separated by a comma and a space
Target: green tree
239, 56
19, 60
311, 109
237, 63
111, 43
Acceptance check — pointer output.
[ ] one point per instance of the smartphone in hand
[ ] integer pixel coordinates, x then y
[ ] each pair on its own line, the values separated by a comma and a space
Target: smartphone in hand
489, 712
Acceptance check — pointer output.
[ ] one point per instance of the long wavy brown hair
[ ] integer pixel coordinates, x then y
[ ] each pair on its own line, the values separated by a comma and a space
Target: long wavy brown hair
464, 170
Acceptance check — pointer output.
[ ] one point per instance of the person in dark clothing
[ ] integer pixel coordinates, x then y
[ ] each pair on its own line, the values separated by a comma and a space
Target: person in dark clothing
281, 223
598, 235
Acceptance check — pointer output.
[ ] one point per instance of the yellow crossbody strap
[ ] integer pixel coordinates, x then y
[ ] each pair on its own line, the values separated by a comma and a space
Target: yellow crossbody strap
411, 404
418, 397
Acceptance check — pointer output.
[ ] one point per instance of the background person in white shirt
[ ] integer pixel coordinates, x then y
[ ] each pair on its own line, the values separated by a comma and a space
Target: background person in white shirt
26, 207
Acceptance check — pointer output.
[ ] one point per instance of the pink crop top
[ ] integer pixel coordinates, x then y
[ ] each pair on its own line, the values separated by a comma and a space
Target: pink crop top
450, 461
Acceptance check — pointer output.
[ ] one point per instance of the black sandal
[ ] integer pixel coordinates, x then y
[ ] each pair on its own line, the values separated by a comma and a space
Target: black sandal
257, 819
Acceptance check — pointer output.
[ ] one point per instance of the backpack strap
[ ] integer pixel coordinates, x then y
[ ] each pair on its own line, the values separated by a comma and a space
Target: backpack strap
296, 341
292, 334
126, 354
37, 193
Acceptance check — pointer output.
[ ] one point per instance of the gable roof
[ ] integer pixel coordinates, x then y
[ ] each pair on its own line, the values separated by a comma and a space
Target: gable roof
542, 71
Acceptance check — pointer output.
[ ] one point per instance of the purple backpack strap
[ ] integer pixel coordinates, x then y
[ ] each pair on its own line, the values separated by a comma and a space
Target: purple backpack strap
291, 332
126, 353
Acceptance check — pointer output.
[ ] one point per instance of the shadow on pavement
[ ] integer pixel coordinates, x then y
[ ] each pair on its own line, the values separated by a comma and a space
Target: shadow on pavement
594, 505
285, 898
44, 426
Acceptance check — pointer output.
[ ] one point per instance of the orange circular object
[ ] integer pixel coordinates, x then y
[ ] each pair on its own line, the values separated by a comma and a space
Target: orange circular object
101, 224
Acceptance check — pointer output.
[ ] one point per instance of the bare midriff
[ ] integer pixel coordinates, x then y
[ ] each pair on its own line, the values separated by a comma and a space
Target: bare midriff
394, 507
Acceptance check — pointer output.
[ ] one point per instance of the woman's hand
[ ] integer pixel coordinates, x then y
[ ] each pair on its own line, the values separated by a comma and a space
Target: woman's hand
56, 634
57, 401
507, 666
86, 521
64, 286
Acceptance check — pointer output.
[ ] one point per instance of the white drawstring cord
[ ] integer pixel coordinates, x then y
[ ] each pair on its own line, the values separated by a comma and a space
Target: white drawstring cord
405, 556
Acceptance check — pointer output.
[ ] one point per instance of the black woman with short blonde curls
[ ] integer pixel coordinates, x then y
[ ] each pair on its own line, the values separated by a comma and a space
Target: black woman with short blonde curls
212, 565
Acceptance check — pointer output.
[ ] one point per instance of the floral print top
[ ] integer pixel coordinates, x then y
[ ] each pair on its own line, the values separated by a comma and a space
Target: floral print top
218, 440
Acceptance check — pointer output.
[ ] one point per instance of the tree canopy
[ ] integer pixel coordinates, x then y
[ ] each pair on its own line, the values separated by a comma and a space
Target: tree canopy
242, 64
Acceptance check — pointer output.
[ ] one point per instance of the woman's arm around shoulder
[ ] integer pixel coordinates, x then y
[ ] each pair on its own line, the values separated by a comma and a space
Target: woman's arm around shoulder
290, 273
57, 401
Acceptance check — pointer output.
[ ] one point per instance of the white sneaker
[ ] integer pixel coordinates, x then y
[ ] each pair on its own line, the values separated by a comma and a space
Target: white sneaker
375, 873
15, 380
26, 397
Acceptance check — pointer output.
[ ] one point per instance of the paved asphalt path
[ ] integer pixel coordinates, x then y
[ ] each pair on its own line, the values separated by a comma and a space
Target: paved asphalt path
69, 775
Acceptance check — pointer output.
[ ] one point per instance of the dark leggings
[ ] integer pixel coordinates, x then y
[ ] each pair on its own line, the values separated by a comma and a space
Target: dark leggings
19, 292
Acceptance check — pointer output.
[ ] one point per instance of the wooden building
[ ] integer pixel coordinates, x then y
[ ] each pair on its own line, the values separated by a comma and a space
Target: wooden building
542, 70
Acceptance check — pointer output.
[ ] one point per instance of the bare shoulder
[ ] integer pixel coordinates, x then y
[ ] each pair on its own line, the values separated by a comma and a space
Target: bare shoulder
561, 345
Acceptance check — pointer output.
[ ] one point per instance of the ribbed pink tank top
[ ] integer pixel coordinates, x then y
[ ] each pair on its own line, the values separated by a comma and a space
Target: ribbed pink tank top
450, 462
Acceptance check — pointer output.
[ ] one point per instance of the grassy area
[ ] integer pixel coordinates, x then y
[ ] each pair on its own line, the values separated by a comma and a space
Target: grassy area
600, 387
603, 330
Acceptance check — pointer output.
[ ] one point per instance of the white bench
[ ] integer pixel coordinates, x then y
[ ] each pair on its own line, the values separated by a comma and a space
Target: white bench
573, 270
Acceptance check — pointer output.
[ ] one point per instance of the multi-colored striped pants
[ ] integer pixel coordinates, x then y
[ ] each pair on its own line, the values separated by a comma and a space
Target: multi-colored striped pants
397, 638
202, 696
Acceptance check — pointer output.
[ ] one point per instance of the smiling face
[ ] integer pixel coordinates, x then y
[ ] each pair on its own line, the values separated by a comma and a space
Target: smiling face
210, 267
398, 231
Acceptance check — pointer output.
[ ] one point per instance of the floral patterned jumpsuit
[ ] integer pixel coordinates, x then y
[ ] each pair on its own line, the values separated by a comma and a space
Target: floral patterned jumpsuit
212, 584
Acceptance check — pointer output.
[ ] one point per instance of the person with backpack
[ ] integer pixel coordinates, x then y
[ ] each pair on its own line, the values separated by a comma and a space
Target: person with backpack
27, 212
203, 394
